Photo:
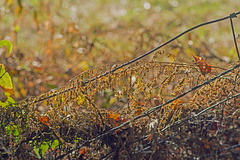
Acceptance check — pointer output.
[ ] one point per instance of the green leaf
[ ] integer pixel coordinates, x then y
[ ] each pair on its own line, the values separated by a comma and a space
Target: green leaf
36, 150
6, 43
8, 130
16, 28
40, 151
5, 80
44, 147
51, 86
13, 129
9, 98
55, 143
9, 101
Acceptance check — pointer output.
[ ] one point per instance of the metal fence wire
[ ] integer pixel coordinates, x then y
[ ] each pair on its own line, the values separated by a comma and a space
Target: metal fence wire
207, 132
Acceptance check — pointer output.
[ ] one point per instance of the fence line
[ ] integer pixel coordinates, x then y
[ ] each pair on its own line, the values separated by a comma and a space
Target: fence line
144, 114
233, 15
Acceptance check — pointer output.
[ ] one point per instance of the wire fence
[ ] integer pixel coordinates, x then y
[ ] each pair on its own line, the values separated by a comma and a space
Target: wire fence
153, 109
144, 114
233, 15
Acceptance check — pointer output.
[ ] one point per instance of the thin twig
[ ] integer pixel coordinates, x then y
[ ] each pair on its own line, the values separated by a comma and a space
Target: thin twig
225, 149
98, 112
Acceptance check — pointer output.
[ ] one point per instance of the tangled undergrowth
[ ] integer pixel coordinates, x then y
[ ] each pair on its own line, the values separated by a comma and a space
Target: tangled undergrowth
146, 109
68, 117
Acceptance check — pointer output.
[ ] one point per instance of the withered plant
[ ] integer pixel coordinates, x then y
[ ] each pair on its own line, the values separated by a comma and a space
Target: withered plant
135, 110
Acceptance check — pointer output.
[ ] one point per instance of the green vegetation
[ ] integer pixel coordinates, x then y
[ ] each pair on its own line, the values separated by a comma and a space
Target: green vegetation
5, 79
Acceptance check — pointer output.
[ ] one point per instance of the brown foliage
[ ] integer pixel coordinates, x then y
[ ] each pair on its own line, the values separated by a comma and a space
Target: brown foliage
76, 112
103, 114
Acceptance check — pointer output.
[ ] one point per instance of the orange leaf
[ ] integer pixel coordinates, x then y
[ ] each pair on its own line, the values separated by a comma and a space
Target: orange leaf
201, 62
208, 68
45, 120
83, 152
149, 137
175, 103
139, 111
114, 116
135, 103
7, 90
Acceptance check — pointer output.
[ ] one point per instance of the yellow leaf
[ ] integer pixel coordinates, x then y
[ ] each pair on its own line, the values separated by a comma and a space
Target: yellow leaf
5, 80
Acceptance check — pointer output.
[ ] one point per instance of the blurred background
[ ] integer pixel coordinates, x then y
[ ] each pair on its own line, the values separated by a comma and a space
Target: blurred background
53, 41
